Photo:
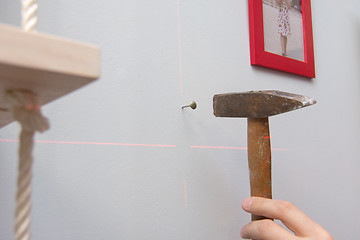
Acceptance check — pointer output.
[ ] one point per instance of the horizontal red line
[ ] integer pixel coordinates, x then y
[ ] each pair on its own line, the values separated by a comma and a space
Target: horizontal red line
94, 143
9, 140
135, 144
213, 147
280, 149
236, 148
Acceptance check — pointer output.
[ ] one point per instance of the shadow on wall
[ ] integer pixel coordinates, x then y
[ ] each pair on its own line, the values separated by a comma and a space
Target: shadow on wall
357, 50
267, 71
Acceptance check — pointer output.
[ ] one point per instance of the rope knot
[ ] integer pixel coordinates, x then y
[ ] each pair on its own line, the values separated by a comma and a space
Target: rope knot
26, 110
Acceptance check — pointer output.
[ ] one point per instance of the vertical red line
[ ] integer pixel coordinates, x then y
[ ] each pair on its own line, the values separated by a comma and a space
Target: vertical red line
185, 192
268, 158
179, 41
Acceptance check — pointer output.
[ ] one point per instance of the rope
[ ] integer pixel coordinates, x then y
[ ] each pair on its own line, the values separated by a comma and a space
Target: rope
26, 111
29, 15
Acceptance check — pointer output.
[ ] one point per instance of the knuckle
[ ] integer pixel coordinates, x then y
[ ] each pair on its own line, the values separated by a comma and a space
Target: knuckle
265, 226
325, 236
284, 207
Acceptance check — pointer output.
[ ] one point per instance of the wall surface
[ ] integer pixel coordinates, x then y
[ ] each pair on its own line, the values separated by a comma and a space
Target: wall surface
120, 161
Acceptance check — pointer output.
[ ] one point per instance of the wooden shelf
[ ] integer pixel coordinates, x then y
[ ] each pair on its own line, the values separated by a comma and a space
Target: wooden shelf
49, 66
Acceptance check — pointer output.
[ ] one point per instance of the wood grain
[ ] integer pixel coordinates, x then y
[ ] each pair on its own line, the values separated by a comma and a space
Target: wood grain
259, 157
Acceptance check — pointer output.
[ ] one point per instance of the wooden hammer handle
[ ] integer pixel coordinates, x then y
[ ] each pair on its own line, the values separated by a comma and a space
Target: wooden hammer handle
259, 156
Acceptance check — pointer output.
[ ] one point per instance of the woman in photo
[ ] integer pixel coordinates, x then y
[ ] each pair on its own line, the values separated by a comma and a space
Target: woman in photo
284, 25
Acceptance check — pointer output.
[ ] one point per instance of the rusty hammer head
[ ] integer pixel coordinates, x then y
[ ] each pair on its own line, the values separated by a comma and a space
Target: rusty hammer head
258, 104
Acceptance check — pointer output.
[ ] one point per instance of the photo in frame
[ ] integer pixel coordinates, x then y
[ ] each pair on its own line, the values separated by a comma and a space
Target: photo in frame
281, 36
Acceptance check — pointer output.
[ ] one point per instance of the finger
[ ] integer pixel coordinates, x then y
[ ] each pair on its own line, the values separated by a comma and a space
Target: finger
291, 216
265, 229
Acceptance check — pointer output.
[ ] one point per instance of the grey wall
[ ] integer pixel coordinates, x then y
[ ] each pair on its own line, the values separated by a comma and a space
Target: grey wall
99, 191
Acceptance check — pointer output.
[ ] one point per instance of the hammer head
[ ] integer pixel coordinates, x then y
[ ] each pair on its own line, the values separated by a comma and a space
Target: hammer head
258, 104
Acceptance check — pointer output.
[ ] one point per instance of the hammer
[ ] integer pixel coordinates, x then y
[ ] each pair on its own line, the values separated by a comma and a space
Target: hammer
257, 106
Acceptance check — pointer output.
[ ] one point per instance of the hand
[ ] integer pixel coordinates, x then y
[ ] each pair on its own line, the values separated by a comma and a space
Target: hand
294, 219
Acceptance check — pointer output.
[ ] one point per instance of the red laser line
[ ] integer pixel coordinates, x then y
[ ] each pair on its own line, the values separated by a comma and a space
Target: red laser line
280, 149
214, 147
235, 148
94, 143
136, 144
185, 192
179, 42
268, 158
9, 140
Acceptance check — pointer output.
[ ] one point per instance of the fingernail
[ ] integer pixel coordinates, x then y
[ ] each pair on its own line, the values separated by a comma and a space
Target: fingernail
247, 203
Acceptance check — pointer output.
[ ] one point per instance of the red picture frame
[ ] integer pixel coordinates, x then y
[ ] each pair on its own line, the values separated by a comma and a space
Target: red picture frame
260, 57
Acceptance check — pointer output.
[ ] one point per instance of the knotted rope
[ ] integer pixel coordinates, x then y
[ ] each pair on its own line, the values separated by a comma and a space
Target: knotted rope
26, 111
